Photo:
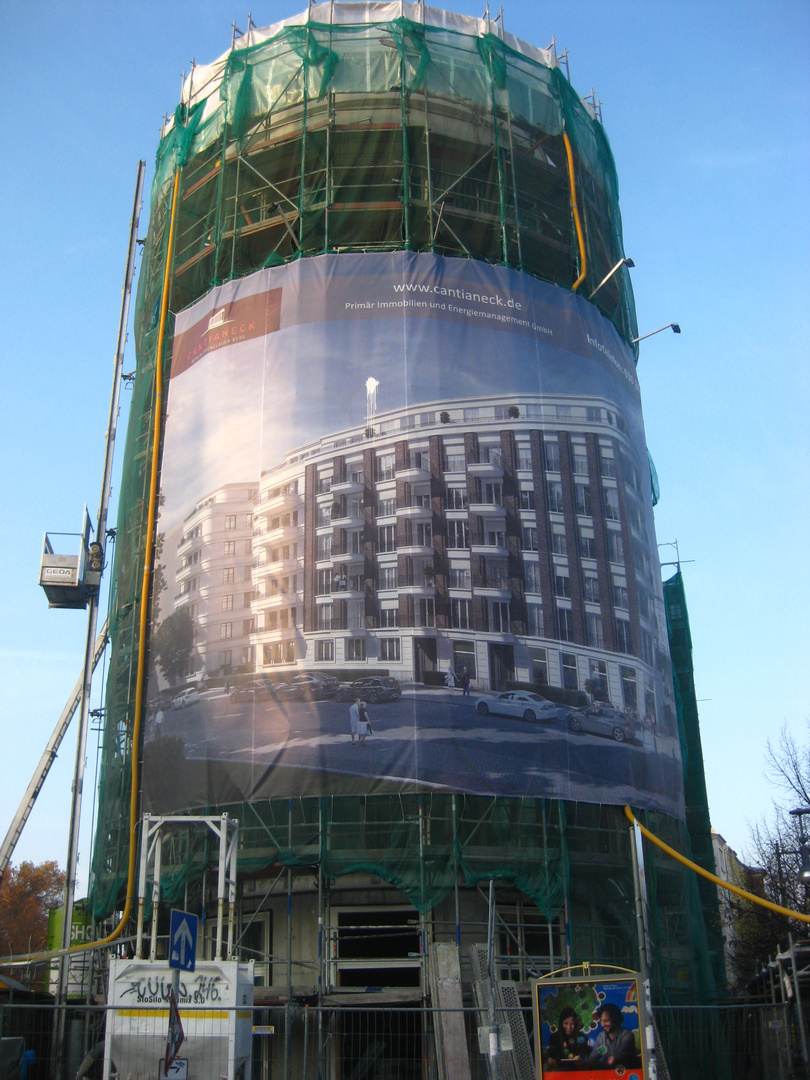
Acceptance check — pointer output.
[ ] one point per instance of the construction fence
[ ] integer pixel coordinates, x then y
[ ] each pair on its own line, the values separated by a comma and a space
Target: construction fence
390, 1041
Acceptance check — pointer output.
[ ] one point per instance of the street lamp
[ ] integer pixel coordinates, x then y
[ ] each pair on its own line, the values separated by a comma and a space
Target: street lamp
804, 846
675, 329
609, 275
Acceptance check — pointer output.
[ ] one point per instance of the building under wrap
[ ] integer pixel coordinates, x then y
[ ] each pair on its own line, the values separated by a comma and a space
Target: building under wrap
402, 460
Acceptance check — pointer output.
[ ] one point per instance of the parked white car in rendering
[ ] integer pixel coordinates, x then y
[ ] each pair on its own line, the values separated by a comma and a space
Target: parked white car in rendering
520, 703
186, 697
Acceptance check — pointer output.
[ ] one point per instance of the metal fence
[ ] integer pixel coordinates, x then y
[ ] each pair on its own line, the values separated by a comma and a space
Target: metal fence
390, 1042
730, 1042
387, 1042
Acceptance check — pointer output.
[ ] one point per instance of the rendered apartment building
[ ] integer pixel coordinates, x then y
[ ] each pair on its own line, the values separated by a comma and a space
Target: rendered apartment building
501, 536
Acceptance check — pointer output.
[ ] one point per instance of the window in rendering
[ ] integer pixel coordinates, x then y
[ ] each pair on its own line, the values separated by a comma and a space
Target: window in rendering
389, 649
539, 666
552, 456
534, 619
629, 690
531, 572
460, 613
555, 496
464, 657
596, 637
569, 671
355, 649
565, 624
623, 638
458, 535
590, 588
597, 670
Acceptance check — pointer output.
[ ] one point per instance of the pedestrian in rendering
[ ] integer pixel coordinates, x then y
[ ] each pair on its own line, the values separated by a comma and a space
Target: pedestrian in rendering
354, 721
465, 683
158, 721
365, 723
450, 679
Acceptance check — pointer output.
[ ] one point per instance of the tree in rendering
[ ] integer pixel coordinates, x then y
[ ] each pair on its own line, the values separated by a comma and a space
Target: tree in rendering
172, 643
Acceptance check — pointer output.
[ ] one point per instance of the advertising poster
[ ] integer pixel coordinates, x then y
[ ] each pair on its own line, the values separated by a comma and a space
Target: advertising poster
589, 1027
405, 539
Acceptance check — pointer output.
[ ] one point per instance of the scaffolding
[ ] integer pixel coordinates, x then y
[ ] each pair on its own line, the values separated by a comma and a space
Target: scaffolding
327, 136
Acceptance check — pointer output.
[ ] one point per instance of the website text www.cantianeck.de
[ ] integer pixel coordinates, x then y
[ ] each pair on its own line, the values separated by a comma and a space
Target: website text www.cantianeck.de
443, 294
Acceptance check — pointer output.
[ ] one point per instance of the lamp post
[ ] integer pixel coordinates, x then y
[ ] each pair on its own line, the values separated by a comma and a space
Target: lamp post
804, 846
609, 275
803, 876
675, 330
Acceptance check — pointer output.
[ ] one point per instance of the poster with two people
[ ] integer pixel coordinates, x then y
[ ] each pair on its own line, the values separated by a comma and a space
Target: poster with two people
590, 1027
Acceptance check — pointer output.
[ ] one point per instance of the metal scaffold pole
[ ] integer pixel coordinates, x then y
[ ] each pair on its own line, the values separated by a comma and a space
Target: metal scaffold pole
640, 888
101, 535
92, 617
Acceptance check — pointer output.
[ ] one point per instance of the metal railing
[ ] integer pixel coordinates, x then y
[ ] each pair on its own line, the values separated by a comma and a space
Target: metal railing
296, 1041
402, 1038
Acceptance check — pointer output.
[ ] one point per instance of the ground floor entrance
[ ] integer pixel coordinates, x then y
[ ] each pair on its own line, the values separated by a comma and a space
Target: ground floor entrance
424, 657
501, 665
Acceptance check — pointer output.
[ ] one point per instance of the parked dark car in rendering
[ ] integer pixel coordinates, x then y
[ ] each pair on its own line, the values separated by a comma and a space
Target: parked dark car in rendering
257, 691
602, 720
309, 687
372, 689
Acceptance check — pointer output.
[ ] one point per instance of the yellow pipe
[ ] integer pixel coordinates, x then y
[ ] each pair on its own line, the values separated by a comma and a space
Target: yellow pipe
580, 239
147, 569
157, 415
713, 877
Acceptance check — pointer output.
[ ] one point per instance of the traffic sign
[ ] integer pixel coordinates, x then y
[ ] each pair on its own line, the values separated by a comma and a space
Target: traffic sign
176, 1035
183, 941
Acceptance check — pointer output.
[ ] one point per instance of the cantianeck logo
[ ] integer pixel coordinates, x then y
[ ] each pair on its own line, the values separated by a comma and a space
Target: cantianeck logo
248, 317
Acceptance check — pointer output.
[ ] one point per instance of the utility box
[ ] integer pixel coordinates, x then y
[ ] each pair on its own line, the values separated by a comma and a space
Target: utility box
216, 1014
69, 580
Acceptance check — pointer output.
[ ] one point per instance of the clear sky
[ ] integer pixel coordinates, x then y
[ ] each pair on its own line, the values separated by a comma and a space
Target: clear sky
707, 108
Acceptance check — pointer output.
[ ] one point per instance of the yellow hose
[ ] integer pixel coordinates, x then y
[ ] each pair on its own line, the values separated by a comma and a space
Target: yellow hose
578, 225
147, 569
157, 415
761, 901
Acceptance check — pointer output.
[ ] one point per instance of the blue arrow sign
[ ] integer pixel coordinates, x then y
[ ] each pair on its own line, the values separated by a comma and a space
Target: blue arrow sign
183, 941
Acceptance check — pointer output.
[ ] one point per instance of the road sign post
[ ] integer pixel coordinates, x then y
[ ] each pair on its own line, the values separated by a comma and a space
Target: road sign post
182, 957
183, 941
176, 1035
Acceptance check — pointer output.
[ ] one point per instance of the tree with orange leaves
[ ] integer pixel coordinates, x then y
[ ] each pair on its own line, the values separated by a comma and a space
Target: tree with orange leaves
27, 894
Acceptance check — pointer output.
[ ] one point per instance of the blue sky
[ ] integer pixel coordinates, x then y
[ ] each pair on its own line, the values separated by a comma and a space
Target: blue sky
706, 107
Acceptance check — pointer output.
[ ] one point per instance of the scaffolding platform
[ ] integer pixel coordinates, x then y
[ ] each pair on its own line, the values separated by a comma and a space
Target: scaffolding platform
70, 580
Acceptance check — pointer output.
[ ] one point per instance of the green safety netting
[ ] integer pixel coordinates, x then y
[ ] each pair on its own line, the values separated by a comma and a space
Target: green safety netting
358, 135
380, 136
327, 138
698, 822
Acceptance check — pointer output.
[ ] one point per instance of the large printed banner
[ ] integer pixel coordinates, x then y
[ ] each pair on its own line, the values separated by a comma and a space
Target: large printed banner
589, 1026
405, 540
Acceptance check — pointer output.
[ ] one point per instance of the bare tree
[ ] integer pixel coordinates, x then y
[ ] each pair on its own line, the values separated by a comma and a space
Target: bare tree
774, 859
788, 767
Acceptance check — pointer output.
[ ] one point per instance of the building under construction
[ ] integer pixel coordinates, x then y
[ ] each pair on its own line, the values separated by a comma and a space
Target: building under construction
401, 459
